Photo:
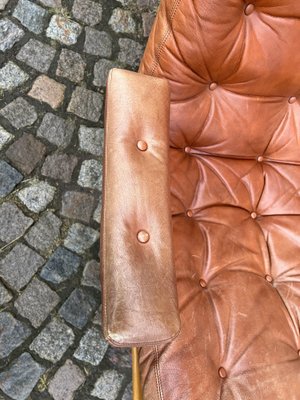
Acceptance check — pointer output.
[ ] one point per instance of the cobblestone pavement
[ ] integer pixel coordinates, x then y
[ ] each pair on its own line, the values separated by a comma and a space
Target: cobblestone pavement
54, 59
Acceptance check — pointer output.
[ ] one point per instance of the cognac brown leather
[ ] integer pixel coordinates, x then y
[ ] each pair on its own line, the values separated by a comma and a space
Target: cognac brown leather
138, 276
234, 74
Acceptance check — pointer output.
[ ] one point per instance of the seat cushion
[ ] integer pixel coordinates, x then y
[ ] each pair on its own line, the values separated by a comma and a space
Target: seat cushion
234, 75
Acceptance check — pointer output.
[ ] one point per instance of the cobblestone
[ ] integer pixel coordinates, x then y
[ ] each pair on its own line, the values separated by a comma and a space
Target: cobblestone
108, 385
12, 76
37, 55
10, 34
5, 295
9, 178
71, 66
91, 140
63, 30
128, 392
97, 43
51, 3
101, 70
60, 166
91, 276
56, 130
78, 205
130, 52
87, 11
48, 90
30, 15
86, 104
13, 223
119, 357
90, 175
3, 4
92, 347
5, 137
97, 213
80, 238
37, 196
19, 113
122, 21
12, 333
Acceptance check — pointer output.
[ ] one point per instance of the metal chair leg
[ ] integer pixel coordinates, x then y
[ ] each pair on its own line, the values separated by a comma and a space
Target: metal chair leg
136, 379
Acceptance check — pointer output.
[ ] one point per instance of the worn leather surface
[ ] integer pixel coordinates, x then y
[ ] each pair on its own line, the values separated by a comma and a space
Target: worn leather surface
234, 76
137, 266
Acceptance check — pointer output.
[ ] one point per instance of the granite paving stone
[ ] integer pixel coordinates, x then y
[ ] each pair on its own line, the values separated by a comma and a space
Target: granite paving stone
13, 223
86, 104
97, 43
61, 266
53, 341
78, 205
92, 347
10, 34
152, 4
5, 295
19, 113
3, 4
59, 166
9, 178
101, 70
51, 3
18, 381
97, 320
5, 137
36, 302
122, 21
148, 19
78, 308
44, 232
66, 381
30, 15
48, 90
12, 76
71, 66
37, 55
119, 357
97, 212
17, 274
87, 11
91, 274
56, 130
26, 152
128, 392
91, 140
64, 30
108, 385
80, 238
12, 333
37, 196
90, 175
130, 52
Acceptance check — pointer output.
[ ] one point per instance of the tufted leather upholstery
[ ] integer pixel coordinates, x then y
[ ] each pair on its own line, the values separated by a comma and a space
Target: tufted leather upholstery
234, 74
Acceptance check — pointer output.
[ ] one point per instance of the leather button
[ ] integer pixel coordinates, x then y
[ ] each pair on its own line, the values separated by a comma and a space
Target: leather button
189, 213
142, 145
292, 100
143, 236
269, 278
222, 373
249, 9
253, 215
260, 159
213, 86
187, 149
203, 283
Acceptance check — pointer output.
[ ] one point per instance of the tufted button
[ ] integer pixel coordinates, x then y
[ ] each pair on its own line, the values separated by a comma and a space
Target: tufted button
213, 86
187, 149
222, 373
269, 278
202, 283
143, 236
189, 213
260, 159
142, 145
249, 9
253, 215
292, 99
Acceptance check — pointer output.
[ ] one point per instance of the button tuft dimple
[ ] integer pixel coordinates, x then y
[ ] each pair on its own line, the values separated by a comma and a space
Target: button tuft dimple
143, 236
260, 159
292, 99
189, 213
269, 278
203, 283
249, 9
222, 373
142, 145
187, 149
213, 86
253, 215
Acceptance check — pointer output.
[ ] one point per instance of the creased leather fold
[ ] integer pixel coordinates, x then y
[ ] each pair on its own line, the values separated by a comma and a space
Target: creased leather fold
138, 279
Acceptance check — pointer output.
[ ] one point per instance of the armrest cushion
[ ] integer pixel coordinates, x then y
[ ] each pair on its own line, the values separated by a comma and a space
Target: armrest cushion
137, 271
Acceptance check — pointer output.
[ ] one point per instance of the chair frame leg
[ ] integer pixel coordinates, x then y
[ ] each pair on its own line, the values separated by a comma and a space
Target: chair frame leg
136, 378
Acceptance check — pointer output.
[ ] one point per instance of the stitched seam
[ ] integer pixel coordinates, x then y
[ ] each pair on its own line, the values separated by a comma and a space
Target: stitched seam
157, 374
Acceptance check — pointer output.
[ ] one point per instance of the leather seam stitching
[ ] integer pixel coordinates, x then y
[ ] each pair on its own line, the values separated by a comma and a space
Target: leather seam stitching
157, 374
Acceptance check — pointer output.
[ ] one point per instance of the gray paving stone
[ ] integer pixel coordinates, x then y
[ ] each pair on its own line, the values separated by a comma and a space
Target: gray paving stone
80, 238
78, 205
90, 174
9, 178
119, 357
148, 19
71, 66
97, 43
37, 196
56, 130
97, 212
12, 333
101, 70
128, 392
87, 11
13, 223
26, 152
66, 381
44, 232
148, 4
97, 320
91, 140
108, 386
47, 90
17, 274
54, 340
3, 4
86, 104
63, 30
60, 266
78, 308
130, 52
5, 137
30, 15
10, 34
12, 76
51, 3
59, 167
36, 302
5, 295
122, 21
37, 55
91, 274
18, 381
92, 347
19, 113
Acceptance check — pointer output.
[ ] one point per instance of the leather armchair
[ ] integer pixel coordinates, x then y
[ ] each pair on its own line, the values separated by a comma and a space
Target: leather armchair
200, 231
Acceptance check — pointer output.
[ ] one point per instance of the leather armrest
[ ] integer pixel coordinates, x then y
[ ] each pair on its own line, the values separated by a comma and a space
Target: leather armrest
137, 270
